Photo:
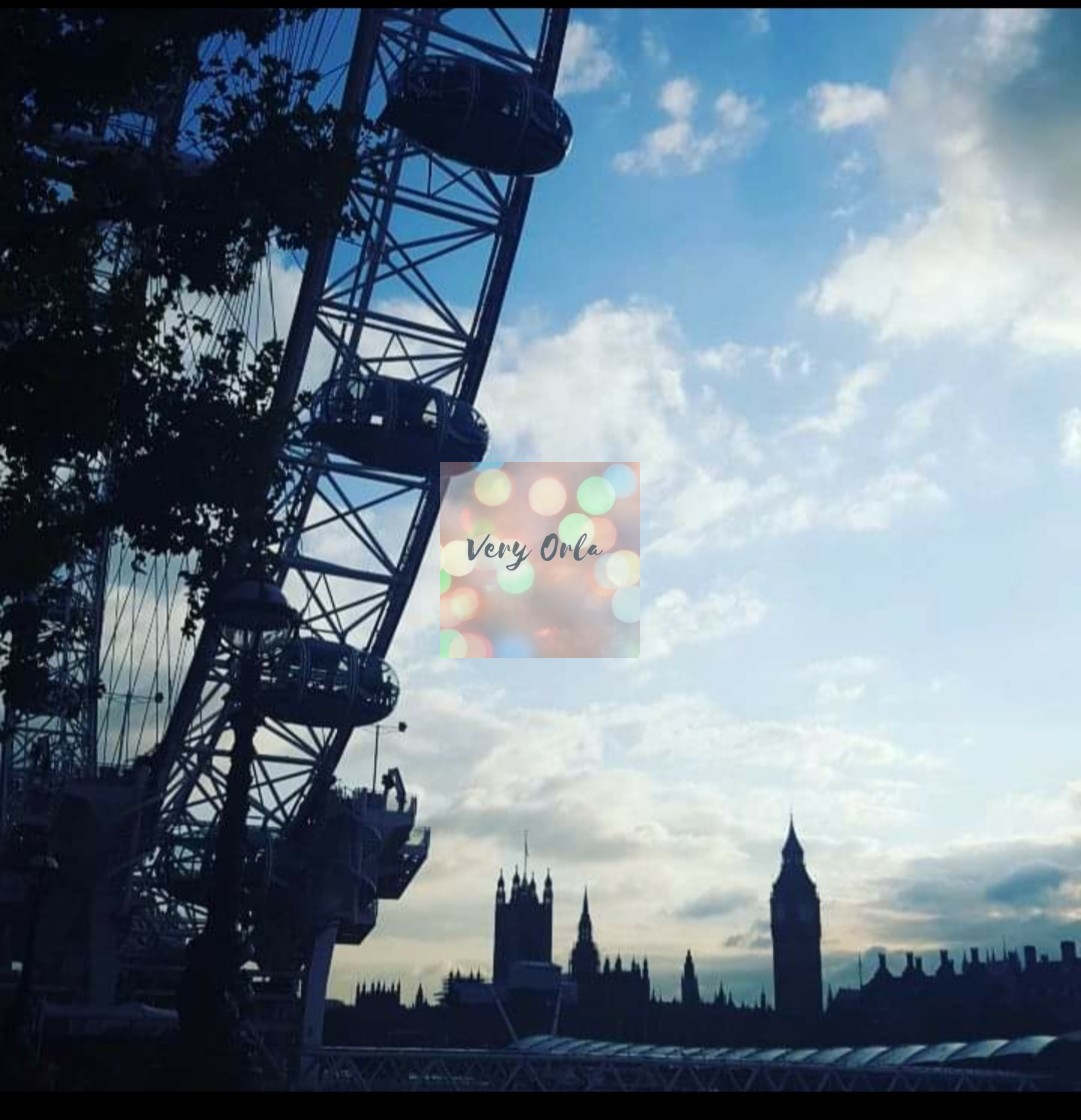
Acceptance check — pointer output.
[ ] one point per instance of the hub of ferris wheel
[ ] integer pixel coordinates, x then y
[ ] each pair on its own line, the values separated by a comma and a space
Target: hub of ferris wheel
114, 774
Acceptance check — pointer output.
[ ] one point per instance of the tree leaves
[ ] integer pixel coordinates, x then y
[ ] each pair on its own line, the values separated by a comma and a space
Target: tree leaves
124, 410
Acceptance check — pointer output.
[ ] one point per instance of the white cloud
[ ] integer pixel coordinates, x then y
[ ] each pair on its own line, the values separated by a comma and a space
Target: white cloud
729, 357
740, 122
655, 49
714, 479
674, 619
837, 106
851, 167
1004, 36
758, 21
840, 681
735, 358
735, 123
914, 419
622, 367
586, 65
859, 665
678, 97
1070, 438
848, 406
731, 511
984, 115
874, 506
830, 693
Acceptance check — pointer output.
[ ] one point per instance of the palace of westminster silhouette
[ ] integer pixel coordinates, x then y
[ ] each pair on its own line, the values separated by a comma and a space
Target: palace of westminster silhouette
529, 994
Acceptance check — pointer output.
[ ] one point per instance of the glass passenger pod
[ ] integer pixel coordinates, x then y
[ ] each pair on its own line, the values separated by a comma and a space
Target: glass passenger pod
328, 684
476, 113
397, 425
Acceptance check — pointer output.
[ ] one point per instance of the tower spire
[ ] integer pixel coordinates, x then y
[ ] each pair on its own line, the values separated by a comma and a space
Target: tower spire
796, 929
585, 958
792, 852
689, 991
585, 923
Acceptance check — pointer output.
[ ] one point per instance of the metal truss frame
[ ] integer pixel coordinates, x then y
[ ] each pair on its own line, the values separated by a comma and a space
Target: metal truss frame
384, 304
32, 774
503, 1071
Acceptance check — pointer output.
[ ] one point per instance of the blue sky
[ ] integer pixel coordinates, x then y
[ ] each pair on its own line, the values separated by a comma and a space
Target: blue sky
817, 271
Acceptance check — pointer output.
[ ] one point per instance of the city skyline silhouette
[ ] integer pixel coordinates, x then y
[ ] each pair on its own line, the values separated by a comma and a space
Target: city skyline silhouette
596, 993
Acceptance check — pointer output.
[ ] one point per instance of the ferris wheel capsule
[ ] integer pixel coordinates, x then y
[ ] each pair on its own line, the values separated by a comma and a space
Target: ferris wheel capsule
398, 425
328, 684
474, 112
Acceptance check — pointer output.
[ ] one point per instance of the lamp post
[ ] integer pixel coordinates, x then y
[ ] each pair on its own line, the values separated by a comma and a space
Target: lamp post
401, 728
257, 623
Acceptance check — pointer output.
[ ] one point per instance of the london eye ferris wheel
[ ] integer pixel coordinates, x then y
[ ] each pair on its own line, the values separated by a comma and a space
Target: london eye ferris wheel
122, 762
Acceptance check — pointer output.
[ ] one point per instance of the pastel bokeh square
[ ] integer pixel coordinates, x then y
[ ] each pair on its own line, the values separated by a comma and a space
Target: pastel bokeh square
540, 560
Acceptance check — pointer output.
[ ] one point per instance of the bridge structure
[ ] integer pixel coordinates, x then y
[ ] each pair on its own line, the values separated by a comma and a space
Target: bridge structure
545, 1063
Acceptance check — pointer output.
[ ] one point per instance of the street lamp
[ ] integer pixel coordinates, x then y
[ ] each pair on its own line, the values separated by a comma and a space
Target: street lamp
255, 617
257, 623
402, 726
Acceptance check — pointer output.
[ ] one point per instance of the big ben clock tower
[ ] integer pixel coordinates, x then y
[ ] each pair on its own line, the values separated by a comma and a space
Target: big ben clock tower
797, 934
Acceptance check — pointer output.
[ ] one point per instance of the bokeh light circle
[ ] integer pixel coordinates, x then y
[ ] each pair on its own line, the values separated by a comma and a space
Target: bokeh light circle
444, 581
604, 533
626, 604
455, 559
492, 488
547, 496
477, 645
481, 529
622, 479
518, 581
452, 644
464, 603
573, 526
623, 568
596, 495
600, 573
487, 563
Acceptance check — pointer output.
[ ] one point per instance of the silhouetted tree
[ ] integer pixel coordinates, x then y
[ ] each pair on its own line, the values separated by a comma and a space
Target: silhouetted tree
132, 408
